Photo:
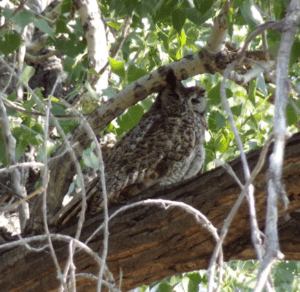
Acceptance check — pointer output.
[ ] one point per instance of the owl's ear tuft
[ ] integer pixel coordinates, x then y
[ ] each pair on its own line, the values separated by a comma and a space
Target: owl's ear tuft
171, 79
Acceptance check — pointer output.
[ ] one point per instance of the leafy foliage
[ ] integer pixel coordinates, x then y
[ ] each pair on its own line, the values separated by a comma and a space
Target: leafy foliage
163, 32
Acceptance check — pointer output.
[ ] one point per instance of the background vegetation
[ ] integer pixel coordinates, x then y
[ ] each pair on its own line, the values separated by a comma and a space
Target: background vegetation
49, 54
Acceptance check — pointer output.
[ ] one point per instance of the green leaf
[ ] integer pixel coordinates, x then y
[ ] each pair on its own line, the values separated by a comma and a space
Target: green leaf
23, 18
66, 6
230, 21
7, 12
261, 84
27, 73
182, 37
20, 148
178, 19
61, 24
12, 96
237, 3
194, 280
223, 143
25, 136
130, 5
193, 15
251, 14
114, 25
295, 52
236, 110
213, 96
28, 104
204, 6
117, 67
2, 151
135, 73
72, 47
285, 272
164, 11
68, 64
291, 115
216, 121
220, 121
9, 42
144, 9
252, 91
279, 8
130, 119
109, 92
68, 125
208, 14
164, 287
42, 25
58, 110
90, 159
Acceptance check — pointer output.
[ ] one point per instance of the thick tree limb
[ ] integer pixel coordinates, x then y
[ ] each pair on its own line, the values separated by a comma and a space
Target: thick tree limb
149, 243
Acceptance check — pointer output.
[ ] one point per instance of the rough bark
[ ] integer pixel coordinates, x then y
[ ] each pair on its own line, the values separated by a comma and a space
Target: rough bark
149, 243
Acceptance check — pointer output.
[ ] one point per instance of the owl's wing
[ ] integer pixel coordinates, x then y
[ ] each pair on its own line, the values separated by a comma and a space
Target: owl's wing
137, 154
143, 156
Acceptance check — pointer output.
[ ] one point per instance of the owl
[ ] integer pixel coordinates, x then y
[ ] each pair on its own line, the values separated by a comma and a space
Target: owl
164, 148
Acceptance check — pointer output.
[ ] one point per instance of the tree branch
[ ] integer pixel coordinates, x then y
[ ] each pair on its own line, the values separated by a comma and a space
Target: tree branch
149, 243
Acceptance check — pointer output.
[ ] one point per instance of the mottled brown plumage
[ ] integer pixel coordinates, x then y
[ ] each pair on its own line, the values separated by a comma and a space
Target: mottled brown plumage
164, 148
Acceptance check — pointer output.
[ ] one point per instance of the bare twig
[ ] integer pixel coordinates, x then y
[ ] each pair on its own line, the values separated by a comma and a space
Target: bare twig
11, 168
60, 237
249, 189
241, 197
69, 148
10, 144
272, 25
289, 27
45, 183
200, 218
70, 266
12, 106
104, 195
15, 205
10, 191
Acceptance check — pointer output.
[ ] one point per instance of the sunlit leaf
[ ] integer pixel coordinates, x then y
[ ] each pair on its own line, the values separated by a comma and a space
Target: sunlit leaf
117, 67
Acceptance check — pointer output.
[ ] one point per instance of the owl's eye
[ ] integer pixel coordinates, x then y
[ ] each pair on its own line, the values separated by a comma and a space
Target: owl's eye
195, 101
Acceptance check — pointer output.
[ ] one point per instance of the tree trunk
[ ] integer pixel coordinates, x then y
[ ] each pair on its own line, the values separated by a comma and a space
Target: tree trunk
150, 242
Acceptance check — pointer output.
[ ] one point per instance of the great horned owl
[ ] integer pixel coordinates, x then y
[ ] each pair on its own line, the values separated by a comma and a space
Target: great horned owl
164, 148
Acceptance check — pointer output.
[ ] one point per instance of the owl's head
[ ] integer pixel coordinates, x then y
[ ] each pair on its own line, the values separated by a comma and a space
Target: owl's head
178, 99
